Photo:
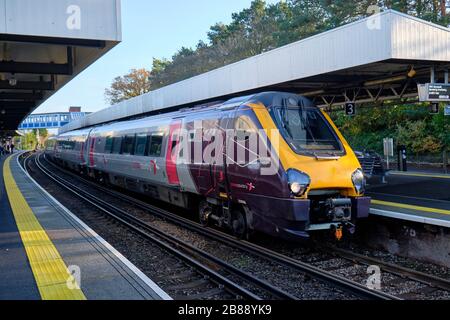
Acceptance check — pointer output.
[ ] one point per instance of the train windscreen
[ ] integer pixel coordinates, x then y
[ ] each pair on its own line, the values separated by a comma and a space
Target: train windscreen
307, 130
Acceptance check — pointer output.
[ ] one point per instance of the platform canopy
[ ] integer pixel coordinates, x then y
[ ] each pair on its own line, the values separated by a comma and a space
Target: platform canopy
44, 44
382, 57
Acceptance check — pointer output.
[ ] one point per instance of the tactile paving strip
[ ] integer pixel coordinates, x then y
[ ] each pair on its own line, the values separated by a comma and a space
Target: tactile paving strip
50, 272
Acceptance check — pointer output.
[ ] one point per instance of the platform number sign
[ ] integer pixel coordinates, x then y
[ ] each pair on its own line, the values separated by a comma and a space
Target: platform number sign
434, 108
350, 109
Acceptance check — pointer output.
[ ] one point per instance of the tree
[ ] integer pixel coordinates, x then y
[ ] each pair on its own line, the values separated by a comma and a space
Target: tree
133, 84
29, 141
41, 136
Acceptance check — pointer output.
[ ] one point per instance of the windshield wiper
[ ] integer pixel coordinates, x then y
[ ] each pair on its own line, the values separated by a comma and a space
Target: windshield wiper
285, 119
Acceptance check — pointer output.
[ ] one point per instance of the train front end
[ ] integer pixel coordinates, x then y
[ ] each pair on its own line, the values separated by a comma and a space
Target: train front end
325, 182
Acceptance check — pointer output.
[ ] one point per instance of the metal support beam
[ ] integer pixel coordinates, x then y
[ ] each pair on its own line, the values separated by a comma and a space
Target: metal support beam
28, 85
54, 41
16, 104
368, 100
20, 96
35, 68
40, 68
70, 59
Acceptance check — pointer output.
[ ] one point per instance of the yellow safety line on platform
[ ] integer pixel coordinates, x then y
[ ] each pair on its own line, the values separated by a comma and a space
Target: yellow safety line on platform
50, 271
408, 206
425, 175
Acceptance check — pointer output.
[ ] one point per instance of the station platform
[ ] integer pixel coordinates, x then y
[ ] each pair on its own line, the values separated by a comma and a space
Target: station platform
47, 253
413, 196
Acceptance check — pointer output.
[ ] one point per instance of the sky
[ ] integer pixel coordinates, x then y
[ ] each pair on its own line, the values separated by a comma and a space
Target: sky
150, 28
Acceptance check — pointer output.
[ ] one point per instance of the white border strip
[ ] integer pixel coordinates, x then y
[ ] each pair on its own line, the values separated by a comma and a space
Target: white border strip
420, 174
161, 293
409, 217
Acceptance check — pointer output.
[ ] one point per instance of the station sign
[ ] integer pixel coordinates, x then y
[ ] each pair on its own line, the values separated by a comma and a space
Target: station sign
388, 146
434, 92
350, 109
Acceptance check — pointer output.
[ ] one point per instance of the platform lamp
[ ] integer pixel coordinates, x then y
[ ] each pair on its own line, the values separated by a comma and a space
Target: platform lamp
412, 72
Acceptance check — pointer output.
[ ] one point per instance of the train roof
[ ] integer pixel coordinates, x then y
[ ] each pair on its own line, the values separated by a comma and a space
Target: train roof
268, 99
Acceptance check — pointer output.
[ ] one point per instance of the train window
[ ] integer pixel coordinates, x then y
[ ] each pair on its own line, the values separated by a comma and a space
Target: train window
109, 144
181, 151
67, 145
244, 128
141, 143
307, 129
155, 145
117, 145
128, 145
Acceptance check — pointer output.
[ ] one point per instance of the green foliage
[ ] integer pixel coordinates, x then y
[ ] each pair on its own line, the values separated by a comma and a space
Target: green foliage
29, 141
409, 125
263, 27
32, 140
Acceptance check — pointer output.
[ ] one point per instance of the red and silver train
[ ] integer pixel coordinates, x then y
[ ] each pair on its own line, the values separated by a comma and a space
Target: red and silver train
270, 162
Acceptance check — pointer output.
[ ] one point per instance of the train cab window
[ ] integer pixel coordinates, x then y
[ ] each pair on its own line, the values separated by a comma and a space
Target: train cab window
141, 144
128, 145
155, 145
117, 145
109, 144
307, 130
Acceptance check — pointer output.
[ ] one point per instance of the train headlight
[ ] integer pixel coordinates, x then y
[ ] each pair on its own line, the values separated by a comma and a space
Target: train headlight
298, 182
359, 181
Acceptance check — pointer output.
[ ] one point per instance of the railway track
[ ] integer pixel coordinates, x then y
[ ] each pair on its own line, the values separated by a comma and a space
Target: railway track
423, 284
329, 278
430, 283
212, 268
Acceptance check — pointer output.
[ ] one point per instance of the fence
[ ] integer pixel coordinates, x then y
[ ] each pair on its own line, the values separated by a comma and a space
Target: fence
435, 162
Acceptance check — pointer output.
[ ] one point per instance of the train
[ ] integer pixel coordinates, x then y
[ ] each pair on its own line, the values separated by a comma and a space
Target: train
270, 162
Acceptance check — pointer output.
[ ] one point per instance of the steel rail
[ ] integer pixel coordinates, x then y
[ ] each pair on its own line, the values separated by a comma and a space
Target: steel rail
427, 279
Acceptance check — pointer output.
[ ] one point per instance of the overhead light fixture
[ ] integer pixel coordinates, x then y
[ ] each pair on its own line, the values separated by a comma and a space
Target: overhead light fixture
3, 111
313, 93
412, 72
13, 81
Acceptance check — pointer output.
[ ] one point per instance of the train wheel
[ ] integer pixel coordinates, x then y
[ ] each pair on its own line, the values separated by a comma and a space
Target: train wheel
204, 211
240, 225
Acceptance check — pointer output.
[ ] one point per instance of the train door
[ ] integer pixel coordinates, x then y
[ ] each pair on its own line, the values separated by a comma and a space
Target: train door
243, 168
88, 151
218, 168
208, 172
